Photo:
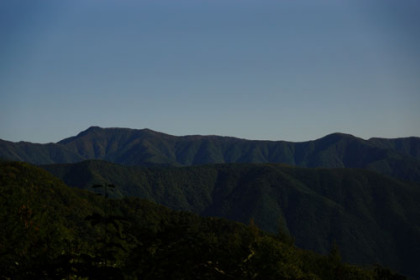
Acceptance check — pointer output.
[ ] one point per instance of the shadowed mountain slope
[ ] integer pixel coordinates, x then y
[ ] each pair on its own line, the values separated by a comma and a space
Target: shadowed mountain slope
395, 157
50, 231
372, 218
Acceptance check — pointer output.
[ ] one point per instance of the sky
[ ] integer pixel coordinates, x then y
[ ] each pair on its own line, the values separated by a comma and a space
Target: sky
292, 70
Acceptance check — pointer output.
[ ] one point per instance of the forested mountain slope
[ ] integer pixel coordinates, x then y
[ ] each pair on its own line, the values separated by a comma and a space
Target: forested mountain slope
373, 218
395, 157
50, 231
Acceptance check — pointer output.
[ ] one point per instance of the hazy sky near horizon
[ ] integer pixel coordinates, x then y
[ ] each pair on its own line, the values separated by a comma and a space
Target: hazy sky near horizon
278, 70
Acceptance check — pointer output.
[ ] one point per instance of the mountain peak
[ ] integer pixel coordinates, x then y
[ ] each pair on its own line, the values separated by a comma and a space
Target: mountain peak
340, 134
114, 129
88, 131
337, 136
94, 127
97, 132
91, 129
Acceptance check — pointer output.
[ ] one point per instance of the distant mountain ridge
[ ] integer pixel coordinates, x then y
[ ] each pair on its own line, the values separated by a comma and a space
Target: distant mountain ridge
395, 157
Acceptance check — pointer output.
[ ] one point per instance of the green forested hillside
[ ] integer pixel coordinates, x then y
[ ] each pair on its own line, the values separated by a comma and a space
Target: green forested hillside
399, 158
50, 231
372, 218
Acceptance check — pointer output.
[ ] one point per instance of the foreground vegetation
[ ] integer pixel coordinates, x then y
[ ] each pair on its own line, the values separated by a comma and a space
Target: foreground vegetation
51, 231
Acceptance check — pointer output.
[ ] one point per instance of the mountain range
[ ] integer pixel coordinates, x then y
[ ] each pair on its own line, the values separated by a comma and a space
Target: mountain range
363, 195
399, 157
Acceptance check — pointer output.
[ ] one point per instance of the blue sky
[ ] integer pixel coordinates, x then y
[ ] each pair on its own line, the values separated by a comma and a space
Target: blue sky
278, 70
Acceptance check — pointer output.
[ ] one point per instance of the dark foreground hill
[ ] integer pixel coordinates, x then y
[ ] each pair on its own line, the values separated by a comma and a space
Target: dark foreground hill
372, 218
395, 157
49, 231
